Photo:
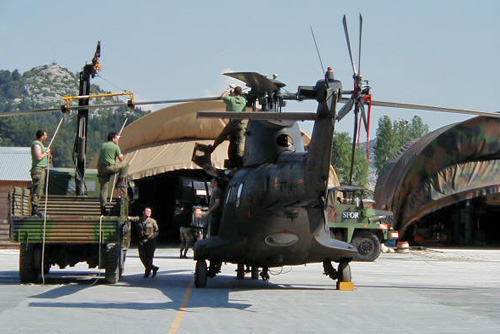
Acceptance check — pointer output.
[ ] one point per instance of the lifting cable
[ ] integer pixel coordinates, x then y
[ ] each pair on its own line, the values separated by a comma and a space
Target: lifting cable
42, 258
114, 176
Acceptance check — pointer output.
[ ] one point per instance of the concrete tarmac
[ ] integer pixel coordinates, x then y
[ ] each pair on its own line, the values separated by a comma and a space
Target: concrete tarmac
431, 291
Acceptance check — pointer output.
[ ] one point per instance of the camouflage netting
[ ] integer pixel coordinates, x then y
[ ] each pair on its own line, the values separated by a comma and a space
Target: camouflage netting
454, 163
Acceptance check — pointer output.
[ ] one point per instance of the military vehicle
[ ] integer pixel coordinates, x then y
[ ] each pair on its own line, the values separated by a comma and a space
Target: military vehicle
352, 219
72, 230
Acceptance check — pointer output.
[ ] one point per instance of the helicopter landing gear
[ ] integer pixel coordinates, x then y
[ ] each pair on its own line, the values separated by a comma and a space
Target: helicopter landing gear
200, 274
214, 268
240, 271
255, 272
344, 272
265, 274
329, 271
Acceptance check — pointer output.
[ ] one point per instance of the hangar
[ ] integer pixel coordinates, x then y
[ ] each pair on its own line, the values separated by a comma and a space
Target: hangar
444, 188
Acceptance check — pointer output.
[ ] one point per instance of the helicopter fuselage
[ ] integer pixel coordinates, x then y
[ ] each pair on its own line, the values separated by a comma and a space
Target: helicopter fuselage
271, 216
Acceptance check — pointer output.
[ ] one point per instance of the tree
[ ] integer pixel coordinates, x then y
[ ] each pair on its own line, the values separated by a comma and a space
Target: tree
391, 137
387, 143
341, 160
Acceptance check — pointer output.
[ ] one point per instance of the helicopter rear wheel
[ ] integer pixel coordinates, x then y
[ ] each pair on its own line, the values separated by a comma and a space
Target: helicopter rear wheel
344, 272
265, 274
200, 274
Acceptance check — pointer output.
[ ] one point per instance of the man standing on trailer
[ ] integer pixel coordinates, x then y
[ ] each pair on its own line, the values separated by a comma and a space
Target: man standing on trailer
39, 162
107, 166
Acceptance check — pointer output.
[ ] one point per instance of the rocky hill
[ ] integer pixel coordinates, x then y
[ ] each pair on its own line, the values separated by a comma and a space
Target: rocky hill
43, 87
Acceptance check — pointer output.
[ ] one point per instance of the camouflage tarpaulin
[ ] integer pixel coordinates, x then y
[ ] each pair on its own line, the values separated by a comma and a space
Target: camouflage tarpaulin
449, 165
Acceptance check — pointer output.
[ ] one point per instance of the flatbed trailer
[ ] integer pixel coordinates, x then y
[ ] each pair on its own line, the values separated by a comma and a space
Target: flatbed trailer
72, 230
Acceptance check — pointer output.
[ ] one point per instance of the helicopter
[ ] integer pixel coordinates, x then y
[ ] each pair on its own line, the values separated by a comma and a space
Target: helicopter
274, 205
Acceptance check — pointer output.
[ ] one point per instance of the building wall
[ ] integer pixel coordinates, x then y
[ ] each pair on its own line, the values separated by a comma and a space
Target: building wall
5, 188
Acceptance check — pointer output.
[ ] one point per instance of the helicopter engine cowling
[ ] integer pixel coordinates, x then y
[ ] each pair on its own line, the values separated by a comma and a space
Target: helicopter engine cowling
267, 140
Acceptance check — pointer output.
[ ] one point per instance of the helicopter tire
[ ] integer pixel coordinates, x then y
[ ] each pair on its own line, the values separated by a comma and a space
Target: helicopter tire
255, 272
368, 246
240, 271
200, 274
344, 272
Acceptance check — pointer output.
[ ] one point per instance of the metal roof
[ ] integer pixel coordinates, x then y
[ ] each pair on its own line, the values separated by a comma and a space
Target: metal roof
15, 164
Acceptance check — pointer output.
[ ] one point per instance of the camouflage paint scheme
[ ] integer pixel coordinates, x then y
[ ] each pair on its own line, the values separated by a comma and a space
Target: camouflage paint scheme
451, 164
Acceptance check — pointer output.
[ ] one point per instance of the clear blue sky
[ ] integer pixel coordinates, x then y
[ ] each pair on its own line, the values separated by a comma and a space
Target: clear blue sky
443, 53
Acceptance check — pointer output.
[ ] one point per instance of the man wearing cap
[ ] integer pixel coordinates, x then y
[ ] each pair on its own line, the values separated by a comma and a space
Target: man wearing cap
39, 163
107, 166
235, 128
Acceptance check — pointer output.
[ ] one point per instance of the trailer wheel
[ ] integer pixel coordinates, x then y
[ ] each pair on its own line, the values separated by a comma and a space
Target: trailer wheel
113, 257
368, 246
28, 272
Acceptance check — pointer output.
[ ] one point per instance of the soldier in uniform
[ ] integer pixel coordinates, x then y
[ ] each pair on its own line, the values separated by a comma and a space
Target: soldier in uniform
39, 163
215, 207
235, 128
148, 230
107, 166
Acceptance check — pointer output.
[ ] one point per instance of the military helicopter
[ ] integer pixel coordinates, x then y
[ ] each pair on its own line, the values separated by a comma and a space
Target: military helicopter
274, 205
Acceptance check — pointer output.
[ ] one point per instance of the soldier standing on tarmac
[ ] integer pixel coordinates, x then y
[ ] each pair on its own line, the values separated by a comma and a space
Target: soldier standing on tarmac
39, 162
148, 230
215, 208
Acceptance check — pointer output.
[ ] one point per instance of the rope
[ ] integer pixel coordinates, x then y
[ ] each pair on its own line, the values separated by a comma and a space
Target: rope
46, 204
100, 250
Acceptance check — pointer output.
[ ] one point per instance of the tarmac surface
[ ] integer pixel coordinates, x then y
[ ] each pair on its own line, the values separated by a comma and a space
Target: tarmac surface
426, 291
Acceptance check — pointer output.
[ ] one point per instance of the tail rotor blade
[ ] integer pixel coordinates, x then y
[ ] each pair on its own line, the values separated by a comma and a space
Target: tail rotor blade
353, 150
363, 116
360, 33
349, 45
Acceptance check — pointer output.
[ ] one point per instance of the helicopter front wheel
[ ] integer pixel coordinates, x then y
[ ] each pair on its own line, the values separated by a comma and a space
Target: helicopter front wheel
200, 274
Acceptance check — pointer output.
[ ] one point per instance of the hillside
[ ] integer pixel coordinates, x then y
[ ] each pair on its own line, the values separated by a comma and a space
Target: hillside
43, 87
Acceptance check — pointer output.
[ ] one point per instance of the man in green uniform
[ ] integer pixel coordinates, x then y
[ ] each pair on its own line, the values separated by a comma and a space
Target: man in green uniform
235, 128
39, 163
215, 208
107, 166
148, 230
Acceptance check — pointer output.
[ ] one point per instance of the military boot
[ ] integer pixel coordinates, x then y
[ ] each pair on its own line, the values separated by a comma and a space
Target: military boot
35, 211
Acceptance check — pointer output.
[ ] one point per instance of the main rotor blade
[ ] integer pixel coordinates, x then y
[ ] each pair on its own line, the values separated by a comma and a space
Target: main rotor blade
28, 112
288, 116
433, 108
360, 33
110, 105
349, 45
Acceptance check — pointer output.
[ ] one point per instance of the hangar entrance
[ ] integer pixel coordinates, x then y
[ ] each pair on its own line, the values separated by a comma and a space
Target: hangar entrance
470, 223
163, 194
